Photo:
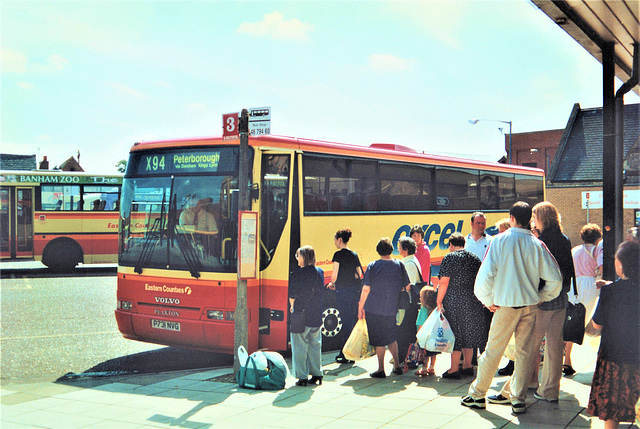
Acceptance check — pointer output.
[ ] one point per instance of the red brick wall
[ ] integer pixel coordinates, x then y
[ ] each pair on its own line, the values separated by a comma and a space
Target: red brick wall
545, 143
568, 201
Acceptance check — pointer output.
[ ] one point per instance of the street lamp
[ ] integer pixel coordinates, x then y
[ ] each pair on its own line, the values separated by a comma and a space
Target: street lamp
475, 121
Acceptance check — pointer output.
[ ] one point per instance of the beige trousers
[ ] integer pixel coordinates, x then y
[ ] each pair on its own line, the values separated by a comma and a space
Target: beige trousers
549, 323
507, 321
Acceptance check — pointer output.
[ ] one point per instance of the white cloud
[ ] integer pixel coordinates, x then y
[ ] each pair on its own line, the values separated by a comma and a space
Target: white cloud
18, 62
25, 85
13, 61
390, 63
275, 26
55, 63
127, 90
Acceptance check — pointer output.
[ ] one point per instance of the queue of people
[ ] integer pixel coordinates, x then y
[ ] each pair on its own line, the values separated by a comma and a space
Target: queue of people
522, 276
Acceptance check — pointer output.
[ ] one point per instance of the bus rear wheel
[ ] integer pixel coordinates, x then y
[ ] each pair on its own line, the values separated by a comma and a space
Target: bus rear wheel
62, 254
332, 332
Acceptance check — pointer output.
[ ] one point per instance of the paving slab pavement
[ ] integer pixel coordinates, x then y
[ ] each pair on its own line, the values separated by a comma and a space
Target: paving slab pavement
348, 397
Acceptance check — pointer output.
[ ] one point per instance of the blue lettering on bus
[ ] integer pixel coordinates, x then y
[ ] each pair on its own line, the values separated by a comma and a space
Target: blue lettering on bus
404, 230
440, 235
427, 235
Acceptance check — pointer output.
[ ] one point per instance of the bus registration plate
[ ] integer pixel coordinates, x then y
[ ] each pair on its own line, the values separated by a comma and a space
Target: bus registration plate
166, 325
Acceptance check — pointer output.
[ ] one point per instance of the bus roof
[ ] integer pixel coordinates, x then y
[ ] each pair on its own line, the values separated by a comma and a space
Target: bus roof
387, 151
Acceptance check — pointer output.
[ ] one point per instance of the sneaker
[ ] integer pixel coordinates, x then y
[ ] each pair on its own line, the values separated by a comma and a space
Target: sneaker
468, 401
568, 370
498, 399
542, 398
518, 408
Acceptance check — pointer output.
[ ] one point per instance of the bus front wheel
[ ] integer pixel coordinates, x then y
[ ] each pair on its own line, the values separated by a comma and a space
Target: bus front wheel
62, 254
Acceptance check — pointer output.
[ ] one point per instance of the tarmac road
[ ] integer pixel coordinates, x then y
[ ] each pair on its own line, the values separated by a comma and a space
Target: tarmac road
58, 326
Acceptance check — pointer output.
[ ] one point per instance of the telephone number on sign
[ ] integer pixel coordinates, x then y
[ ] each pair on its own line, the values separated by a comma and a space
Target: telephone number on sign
166, 325
260, 131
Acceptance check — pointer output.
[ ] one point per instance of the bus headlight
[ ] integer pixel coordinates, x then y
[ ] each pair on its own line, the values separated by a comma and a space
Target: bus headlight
215, 314
125, 305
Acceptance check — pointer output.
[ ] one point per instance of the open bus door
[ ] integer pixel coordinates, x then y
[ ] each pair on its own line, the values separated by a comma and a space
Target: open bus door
275, 248
16, 218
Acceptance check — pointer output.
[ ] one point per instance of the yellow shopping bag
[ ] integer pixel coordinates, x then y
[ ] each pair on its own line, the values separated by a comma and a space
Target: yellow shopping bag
357, 346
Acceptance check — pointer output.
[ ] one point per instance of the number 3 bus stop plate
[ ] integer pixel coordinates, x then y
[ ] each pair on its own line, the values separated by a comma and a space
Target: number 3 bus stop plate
166, 325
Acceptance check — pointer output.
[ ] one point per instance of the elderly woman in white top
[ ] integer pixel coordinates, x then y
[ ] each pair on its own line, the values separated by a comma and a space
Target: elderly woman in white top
587, 261
407, 329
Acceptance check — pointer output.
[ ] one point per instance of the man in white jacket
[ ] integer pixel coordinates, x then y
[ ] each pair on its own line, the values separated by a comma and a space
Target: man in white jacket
508, 284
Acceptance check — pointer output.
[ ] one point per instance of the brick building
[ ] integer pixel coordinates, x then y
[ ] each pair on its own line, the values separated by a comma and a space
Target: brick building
576, 169
534, 149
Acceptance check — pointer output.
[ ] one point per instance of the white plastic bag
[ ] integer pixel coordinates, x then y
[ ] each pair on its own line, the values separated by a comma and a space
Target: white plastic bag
242, 355
426, 328
277, 357
260, 359
440, 337
357, 346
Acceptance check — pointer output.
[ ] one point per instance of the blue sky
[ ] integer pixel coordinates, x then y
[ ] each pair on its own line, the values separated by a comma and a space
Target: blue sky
97, 76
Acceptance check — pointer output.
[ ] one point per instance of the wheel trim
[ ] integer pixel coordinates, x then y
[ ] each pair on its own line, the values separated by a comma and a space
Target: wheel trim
331, 322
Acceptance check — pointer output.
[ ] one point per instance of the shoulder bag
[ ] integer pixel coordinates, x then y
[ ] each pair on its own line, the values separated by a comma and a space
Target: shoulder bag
432, 294
574, 320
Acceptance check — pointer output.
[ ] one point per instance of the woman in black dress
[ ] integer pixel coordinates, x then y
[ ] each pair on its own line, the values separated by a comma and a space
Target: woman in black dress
345, 280
462, 309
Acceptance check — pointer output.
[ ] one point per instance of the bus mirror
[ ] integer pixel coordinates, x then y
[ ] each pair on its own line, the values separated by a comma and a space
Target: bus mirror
254, 191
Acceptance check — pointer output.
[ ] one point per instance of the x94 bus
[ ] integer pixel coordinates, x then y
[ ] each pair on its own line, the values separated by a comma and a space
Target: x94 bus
177, 273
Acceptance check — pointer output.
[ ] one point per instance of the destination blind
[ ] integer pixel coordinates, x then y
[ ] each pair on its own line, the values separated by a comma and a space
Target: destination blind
218, 160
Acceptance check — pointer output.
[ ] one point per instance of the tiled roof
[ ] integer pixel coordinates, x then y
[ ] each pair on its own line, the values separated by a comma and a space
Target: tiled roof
579, 156
17, 162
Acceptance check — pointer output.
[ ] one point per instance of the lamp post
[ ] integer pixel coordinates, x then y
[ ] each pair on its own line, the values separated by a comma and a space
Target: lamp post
475, 121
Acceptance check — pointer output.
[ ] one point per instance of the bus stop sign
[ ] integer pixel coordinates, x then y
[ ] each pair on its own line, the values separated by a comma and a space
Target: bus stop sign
230, 126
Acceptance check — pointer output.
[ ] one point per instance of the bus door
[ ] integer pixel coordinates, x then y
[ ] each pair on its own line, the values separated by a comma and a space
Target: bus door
16, 218
275, 250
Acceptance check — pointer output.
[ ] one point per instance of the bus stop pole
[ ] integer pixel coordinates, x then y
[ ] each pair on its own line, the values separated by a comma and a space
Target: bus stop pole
241, 325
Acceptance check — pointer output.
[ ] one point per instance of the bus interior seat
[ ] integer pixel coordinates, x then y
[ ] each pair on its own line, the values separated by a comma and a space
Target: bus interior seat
322, 205
337, 203
309, 203
371, 203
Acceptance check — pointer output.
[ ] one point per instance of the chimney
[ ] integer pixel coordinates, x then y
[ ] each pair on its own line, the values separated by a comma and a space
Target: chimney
44, 164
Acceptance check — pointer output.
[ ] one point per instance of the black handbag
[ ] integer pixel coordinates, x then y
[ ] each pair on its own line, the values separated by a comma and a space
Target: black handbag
297, 322
573, 330
296, 319
432, 294
404, 301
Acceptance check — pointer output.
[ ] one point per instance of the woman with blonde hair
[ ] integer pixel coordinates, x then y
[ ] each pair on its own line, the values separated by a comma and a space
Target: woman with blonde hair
305, 297
502, 225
